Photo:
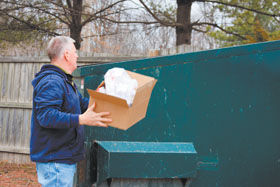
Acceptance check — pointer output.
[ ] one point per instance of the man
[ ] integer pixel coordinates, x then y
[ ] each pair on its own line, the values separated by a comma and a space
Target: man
58, 115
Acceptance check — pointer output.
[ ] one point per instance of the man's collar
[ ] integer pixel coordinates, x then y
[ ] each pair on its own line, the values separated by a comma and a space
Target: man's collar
69, 76
60, 68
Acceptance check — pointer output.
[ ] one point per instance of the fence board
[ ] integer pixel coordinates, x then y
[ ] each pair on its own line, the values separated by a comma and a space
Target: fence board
14, 85
26, 127
1, 125
5, 126
16, 82
18, 127
10, 81
4, 82
10, 125
23, 91
1, 80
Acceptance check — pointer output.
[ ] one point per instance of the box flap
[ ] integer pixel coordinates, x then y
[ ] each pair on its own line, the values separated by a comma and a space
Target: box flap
109, 98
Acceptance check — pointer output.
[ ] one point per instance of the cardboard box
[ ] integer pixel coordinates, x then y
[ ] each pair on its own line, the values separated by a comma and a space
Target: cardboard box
122, 115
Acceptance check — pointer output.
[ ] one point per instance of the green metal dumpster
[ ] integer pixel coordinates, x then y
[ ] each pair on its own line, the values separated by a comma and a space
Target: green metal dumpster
213, 120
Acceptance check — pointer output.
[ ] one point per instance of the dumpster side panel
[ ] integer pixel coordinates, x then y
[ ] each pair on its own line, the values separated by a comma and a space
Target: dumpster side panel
235, 106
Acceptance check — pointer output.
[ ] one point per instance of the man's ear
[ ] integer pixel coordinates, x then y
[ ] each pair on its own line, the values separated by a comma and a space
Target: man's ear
66, 55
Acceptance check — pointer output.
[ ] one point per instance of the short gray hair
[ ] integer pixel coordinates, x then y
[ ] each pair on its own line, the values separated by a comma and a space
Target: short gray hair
58, 45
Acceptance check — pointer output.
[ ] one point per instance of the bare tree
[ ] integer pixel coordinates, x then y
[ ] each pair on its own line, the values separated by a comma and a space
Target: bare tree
182, 22
57, 17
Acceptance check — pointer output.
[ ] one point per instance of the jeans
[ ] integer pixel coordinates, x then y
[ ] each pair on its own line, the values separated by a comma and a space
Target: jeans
53, 174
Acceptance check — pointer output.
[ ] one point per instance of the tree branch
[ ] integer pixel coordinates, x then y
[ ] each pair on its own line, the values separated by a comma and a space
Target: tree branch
219, 27
92, 17
51, 14
32, 26
276, 20
240, 7
199, 30
69, 4
157, 18
128, 22
101, 35
105, 15
65, 10
35, 7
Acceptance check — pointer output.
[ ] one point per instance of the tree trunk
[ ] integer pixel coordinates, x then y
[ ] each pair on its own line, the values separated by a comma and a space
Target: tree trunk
75, 33
183, 33
76, 26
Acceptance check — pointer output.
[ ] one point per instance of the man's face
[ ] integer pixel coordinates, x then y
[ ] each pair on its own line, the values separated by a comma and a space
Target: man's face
72, 57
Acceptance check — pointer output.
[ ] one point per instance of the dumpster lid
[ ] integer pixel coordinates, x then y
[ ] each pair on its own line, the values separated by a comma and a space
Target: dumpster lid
147, 147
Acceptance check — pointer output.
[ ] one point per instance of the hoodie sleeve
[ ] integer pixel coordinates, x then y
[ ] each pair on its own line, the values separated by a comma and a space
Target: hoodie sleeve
48, 102
83, 102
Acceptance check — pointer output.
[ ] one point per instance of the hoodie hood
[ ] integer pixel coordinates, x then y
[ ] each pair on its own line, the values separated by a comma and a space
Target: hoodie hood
47, 70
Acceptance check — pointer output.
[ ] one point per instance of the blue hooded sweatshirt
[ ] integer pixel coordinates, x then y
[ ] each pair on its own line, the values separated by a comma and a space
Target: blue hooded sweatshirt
56, 135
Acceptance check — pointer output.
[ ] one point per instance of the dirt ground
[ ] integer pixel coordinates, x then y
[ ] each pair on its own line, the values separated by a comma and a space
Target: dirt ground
18, 175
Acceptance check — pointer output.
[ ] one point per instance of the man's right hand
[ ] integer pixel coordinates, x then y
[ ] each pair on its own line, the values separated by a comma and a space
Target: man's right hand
92, 118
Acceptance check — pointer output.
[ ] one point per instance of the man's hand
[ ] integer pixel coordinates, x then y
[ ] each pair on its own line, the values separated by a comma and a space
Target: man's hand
92, 118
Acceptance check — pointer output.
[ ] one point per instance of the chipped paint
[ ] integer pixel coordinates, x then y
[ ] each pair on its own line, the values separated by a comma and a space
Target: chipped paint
165, 95
157, 72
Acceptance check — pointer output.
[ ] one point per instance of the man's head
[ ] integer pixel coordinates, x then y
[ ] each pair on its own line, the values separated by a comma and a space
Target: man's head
62, 52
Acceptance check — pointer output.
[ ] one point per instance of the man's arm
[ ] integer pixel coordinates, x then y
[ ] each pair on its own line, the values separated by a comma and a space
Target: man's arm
48, 102
92, 118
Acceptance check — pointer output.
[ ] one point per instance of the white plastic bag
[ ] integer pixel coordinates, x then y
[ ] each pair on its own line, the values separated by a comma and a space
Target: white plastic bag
119, 84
